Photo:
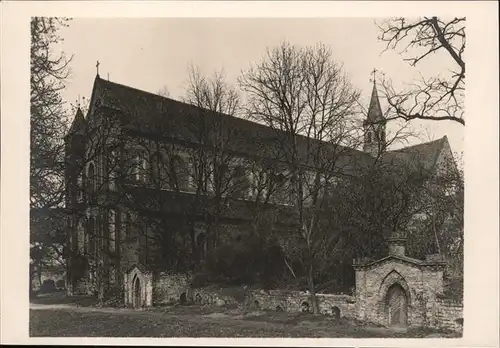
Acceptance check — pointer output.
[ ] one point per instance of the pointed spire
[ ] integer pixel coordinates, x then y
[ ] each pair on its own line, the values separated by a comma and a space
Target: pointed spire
374, 110
78, 122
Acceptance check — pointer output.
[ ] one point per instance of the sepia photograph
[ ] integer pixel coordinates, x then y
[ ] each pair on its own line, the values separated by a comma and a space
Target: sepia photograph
247, 177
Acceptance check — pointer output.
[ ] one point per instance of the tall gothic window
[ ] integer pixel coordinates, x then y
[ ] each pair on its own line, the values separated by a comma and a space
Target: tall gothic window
112, 168
210, 178
181, 170
112, 231
252, 184
91, 178
79, 188
80, 237
141, 167
157, 174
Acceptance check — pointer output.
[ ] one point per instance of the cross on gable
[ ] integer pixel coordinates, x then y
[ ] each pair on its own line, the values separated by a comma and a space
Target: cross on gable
97, 66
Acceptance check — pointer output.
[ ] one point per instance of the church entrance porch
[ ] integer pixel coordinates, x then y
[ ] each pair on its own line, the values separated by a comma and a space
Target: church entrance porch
397, 306
138, 284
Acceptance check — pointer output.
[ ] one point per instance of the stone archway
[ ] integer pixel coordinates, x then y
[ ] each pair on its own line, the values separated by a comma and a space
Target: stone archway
397, 306
136, 293
138, 287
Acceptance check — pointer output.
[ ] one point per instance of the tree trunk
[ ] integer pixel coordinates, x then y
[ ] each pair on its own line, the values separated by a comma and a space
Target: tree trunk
312, 291
39, 274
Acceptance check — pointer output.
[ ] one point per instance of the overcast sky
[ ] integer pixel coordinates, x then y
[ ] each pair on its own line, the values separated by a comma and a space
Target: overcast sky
152, 53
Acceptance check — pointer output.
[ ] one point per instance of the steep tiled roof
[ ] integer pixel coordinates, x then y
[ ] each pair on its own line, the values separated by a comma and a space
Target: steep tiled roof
180, 120
425, 154
140, 110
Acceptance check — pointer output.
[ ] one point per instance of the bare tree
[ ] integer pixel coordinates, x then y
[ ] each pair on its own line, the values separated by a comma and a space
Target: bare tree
48, 126
163, 92
438, 97
305, 98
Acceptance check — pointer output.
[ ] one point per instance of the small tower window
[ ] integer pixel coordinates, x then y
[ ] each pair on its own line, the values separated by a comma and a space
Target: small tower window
369, 137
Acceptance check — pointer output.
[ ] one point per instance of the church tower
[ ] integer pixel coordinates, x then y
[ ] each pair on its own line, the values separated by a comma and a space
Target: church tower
75, 152
374, 126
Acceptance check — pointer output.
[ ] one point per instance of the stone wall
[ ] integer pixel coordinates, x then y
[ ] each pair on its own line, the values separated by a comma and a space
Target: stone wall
426, 307
448, 314
298, 301
217, 296
171, 288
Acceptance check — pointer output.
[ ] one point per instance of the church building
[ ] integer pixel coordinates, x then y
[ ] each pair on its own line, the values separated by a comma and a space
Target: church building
138, 163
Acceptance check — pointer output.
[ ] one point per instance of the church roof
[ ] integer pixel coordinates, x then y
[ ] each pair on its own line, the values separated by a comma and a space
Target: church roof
425, 155
404, 258
374, 109
140, 110
179, 120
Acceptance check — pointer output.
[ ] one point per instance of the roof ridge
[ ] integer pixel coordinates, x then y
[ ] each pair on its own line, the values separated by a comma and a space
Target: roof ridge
240, 119
421, 144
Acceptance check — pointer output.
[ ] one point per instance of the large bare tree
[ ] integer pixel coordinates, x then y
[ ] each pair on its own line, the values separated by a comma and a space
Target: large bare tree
438, 97
48, 126
303, 95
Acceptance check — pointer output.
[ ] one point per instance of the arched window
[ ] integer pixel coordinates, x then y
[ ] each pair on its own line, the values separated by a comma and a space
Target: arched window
80, 237
141, 166
252, 184
112, 164
157, 174
369, 137
79, 188
91, 179
112, 230
180, 170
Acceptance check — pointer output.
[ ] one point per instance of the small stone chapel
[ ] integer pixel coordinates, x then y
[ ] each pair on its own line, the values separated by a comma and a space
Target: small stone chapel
398, 290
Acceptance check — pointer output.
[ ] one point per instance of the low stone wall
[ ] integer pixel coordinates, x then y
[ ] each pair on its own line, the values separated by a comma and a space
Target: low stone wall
215, 296
449, 314
299, 301
171, 288
337, 305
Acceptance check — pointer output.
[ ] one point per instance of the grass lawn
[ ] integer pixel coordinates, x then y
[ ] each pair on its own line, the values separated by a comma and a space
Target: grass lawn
52, 318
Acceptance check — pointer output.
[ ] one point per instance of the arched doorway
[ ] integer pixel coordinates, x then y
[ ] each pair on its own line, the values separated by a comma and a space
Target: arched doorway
136, 300
397, 306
